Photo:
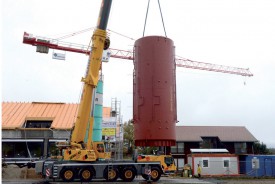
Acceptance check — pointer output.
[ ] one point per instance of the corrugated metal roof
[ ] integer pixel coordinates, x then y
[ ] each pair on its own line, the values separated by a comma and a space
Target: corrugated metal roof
224, 133
15, 114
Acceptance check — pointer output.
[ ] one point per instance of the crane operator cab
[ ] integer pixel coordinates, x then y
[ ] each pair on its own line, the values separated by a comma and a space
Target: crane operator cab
167, 162
100, 151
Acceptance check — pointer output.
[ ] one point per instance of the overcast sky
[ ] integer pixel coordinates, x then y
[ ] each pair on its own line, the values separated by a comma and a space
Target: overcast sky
238, 33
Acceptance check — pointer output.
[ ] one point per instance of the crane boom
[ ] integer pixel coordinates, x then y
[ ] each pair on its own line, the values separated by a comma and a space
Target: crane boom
90, 81
128, 55
77, 150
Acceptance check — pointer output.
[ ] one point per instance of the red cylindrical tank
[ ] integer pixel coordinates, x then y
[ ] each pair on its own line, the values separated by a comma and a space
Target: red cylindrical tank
155, 109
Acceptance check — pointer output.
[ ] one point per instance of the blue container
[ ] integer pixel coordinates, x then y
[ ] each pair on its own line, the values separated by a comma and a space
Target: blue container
264, 167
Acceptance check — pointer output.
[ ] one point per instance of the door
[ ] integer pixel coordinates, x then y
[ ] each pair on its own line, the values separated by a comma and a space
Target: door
268, 167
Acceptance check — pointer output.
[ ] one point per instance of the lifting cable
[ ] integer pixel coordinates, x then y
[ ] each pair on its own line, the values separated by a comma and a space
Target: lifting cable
146, 17
162, 19
160, 15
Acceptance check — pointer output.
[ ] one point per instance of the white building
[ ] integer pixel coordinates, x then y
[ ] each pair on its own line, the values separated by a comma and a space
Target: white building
214, 162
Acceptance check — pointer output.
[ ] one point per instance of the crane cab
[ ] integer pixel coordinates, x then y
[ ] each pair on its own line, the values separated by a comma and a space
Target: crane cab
100, 151
167, 162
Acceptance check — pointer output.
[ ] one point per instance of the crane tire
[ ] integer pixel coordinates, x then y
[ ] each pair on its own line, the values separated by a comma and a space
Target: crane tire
86, 174
110, 174
155, 173
67, 174
128, 174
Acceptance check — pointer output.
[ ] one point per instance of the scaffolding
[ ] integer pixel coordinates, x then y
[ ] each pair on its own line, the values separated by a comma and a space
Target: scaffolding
118, 144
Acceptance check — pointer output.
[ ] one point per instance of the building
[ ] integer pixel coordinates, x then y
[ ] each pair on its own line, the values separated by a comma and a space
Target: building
30, 130
214, 162
236, 139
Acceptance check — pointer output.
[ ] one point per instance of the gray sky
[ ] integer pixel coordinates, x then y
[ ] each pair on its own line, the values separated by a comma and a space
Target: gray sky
237, 33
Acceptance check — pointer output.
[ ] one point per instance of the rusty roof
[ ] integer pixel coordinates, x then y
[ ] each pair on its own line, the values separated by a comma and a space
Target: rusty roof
224, 133
15, 114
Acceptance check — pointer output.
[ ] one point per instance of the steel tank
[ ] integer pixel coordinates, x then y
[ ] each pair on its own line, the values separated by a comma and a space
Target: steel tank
154, 93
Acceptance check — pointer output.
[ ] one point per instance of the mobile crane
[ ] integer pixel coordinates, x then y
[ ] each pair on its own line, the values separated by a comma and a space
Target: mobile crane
85, 161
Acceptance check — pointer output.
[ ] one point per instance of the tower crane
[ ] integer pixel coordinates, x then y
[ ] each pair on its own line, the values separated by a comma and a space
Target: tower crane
44, 44
88, 160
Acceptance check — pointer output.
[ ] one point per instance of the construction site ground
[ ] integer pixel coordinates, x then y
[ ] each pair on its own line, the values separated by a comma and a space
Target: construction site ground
13, 174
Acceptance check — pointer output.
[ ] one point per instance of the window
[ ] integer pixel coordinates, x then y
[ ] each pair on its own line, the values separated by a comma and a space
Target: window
205, 163
7, 150
38, 124
180, 163
206, 143
174, 149
22, 149
240, 147
210, 142
180, 147
169, 160
226, 163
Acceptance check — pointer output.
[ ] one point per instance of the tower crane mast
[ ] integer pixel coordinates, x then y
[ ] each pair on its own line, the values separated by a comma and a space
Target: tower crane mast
128, 55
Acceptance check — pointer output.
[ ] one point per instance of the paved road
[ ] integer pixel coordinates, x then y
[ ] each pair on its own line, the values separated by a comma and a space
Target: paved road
162, 180
136, 181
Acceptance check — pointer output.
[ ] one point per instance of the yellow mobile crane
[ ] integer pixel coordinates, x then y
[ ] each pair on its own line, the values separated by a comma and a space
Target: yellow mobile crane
86, 161
91, 151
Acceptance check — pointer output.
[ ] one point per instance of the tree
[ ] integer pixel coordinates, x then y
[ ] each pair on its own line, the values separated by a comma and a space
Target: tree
261, 149
128, 139
149, 150
128, 136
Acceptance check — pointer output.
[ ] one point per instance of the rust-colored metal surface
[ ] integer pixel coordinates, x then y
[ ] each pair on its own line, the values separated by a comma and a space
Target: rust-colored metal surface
155, 112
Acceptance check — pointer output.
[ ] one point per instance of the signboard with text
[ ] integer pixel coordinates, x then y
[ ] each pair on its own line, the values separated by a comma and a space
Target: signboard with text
109, 122
109, 131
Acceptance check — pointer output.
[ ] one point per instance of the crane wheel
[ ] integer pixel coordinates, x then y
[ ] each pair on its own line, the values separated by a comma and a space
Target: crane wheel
110, 174
86, 174
67, 174
155, 174
128, 174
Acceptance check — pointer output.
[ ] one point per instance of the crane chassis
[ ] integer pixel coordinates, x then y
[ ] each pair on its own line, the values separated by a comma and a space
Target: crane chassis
127, 170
